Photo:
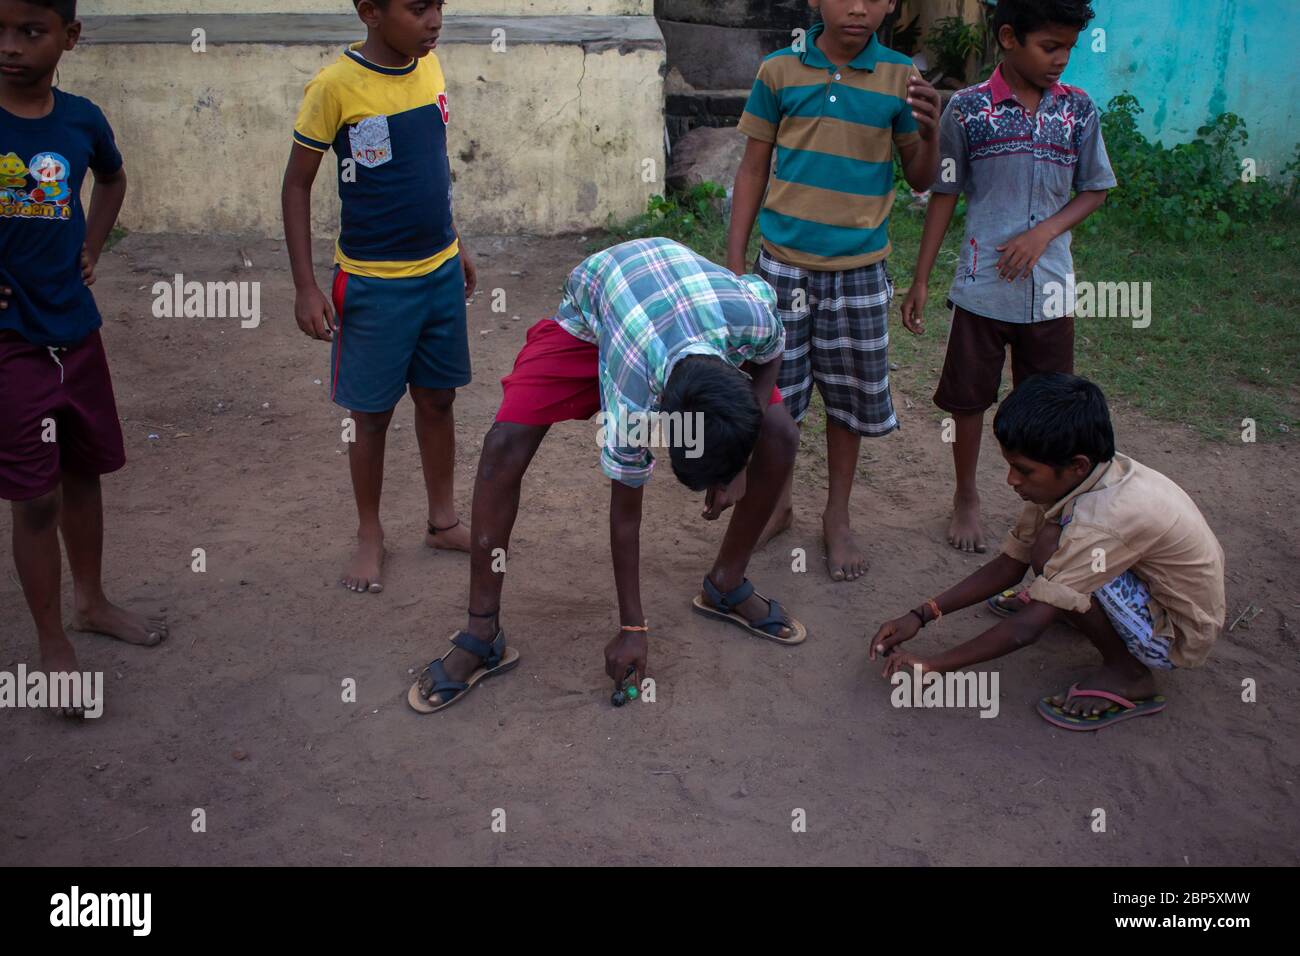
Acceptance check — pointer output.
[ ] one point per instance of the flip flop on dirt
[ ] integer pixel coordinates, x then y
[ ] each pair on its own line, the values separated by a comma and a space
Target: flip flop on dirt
722, 607
1008, 602
496, 658
1123, 709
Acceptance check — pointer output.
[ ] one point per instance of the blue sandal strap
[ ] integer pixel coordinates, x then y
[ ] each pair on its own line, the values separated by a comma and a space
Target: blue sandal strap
774, 621
489, 653
727, 602
441, 684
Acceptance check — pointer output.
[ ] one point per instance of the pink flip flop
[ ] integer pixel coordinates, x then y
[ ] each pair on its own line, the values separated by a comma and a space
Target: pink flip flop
1123, 710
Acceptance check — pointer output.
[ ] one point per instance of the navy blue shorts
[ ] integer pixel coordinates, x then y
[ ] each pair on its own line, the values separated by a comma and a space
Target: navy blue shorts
397, 332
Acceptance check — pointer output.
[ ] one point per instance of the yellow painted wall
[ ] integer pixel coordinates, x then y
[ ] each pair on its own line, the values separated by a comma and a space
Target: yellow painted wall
206, 136
87, 8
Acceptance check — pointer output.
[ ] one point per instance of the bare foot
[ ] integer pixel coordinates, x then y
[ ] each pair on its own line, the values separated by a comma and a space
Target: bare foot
107, 618
844, 559
454, 538
964, 531
1132, 681
781, 521
58, 657
362, 572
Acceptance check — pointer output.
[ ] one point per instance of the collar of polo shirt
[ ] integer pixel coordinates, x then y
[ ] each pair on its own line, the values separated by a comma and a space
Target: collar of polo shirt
813, 56
1064, 509
1000, 90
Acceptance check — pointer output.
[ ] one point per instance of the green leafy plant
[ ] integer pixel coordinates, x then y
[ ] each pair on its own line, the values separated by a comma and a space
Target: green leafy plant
1192, 190
694, 218
953, 42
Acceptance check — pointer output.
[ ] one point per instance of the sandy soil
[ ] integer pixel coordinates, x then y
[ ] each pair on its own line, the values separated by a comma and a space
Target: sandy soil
240, 712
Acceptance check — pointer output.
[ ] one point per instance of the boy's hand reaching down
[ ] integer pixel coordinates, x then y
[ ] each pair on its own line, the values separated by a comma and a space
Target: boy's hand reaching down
903, 661
891, 634
314, 314
627, 649
913, 309
718, 500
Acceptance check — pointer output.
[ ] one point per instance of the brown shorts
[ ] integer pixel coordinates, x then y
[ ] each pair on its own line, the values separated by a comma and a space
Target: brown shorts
977, 348
58, 415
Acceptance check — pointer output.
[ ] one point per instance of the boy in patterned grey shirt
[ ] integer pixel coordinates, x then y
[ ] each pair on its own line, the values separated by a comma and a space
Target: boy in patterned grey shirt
1016, 145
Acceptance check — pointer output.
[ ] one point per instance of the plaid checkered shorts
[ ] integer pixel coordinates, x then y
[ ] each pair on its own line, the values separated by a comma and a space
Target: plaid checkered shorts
837, 335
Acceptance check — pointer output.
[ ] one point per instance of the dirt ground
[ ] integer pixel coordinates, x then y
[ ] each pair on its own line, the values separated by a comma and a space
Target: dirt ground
240, 712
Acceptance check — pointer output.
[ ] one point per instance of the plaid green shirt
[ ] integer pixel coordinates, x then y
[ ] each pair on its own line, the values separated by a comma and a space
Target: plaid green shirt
646, 304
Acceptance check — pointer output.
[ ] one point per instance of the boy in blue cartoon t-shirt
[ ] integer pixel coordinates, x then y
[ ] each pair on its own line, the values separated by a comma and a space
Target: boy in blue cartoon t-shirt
59, 430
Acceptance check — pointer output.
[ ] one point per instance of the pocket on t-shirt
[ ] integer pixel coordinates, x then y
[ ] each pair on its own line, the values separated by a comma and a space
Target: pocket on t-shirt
1058, 181
372, 144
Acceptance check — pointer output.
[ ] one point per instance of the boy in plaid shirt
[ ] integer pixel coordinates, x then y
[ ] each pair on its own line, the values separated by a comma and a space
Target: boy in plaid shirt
646, 328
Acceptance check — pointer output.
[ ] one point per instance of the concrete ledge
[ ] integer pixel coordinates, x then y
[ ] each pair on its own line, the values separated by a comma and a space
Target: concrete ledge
561, 131
593, 34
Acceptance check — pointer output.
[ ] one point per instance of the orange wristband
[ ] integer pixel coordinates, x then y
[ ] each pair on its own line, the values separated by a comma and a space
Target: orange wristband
631, 627
934, 609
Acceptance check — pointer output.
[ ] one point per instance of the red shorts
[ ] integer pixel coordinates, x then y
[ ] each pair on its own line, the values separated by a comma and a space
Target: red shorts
59, 415
555, 379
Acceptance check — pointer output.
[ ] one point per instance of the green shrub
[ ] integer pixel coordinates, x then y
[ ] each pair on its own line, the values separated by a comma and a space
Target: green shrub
1190, 191
694, 218
953, 41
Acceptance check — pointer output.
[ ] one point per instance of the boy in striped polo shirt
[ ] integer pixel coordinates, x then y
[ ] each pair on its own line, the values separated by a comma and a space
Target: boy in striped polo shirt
832, 106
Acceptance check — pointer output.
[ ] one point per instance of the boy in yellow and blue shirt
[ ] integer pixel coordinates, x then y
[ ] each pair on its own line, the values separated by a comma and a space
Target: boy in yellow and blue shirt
396, 315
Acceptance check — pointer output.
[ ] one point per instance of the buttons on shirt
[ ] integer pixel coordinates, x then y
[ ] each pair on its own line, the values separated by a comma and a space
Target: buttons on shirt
832, 97
838, 77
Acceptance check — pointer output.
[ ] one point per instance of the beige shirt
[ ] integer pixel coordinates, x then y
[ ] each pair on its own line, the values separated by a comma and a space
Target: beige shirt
1126, 516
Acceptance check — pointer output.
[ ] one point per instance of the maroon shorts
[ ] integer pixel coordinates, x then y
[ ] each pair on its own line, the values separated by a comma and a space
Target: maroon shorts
59, 415
556, 378
977, 350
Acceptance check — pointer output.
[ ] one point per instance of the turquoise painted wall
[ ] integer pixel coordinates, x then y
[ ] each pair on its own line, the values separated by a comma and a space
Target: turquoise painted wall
1189, 60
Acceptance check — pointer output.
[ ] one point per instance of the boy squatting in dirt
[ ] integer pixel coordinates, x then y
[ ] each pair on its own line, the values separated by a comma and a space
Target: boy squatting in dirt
1119, 550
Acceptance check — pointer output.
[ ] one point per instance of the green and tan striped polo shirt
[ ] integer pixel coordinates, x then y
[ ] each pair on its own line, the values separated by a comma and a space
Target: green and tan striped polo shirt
828, 203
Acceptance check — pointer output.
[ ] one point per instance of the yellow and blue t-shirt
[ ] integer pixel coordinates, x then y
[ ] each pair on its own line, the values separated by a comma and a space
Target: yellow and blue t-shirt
388, 129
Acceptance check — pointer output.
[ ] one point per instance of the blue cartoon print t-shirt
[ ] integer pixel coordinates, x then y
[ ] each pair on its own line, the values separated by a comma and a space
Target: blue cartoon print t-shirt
42, 225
